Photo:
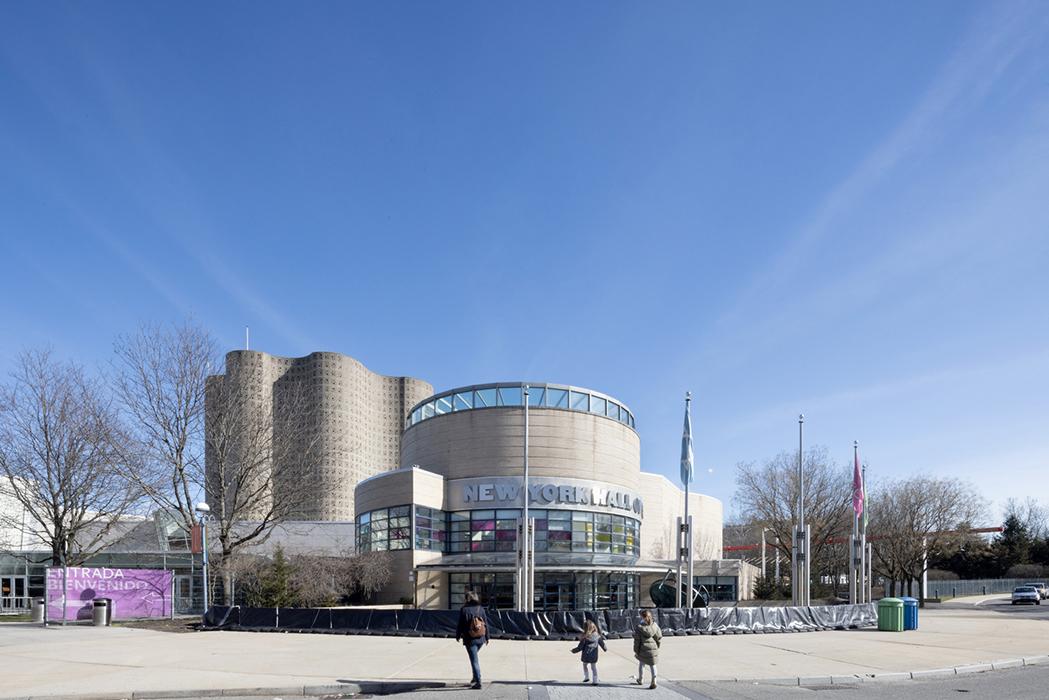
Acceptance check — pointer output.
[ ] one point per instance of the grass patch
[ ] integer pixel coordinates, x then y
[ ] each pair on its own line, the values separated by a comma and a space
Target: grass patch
16, 618
179, 624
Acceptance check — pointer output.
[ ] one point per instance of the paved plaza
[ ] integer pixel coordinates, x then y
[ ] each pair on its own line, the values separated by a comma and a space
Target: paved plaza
80, 660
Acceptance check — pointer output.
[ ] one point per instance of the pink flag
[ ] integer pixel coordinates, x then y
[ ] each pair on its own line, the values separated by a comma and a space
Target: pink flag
857, 487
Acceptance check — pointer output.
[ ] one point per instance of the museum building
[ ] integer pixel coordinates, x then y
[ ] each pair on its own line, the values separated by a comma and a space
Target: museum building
604, 529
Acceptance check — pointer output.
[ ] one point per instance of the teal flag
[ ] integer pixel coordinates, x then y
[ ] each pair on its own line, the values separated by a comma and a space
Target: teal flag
686, 445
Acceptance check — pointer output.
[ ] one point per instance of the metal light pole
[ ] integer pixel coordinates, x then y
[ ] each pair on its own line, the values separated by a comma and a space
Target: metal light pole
204, 511
763, 552
777, 559
524, 576
870, 571
65, 584
865, 583
800, 549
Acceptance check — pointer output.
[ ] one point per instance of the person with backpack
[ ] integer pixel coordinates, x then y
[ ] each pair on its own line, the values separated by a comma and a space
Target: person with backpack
472, 631
647, 638
589, 641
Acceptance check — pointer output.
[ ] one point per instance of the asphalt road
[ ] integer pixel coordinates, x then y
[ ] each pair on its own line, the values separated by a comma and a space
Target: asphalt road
1003, 606
1028, 683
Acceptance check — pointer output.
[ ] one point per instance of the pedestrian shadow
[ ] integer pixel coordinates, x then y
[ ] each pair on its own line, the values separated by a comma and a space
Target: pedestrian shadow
390, 687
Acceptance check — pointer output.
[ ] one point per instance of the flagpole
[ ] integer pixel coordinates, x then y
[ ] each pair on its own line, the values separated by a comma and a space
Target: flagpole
677, 548
855, 596
865, 590
853, 546
688, 518
684, 530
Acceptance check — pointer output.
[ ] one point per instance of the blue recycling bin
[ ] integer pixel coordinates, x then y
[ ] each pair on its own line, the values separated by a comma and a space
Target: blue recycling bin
910, 613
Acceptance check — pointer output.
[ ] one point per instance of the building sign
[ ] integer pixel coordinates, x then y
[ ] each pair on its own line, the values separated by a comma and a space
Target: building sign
573, 494
136, 593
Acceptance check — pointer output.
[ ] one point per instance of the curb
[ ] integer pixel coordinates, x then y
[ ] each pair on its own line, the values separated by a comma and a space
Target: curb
926, 674
341, 689
394, 687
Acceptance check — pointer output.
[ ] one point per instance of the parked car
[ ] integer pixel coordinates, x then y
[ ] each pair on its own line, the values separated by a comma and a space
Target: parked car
1042, 589
1026, 594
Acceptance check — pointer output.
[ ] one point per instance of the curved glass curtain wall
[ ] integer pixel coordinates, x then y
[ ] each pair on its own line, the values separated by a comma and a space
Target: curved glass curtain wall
566, 398
385, 529
555, 531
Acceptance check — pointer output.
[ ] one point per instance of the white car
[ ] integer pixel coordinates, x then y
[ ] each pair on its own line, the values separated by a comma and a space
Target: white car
1042, 589
1026, 594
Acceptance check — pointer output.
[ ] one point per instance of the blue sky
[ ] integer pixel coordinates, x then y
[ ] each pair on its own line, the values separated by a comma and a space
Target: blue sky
824, 208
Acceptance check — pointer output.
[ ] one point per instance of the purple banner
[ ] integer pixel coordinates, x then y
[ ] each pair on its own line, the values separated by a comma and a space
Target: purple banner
136, 593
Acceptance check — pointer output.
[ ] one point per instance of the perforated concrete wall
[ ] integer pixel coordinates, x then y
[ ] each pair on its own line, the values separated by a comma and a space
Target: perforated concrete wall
356, 418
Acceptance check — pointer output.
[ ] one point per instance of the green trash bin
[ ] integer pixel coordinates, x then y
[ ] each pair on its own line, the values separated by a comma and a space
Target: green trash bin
890, 615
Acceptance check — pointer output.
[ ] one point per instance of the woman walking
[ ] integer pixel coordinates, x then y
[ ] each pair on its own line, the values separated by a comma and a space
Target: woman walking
647, 638
472, 631
589, 641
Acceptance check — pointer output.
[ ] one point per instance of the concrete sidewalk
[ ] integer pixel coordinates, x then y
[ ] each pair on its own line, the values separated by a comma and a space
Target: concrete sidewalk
107, 661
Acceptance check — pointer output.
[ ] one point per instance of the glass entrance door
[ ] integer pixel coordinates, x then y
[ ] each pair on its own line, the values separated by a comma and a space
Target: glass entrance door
559, 593
13, 596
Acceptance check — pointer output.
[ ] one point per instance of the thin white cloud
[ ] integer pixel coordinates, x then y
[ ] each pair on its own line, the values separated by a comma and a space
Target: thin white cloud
159, 187
771, 417
998, 35
177, 211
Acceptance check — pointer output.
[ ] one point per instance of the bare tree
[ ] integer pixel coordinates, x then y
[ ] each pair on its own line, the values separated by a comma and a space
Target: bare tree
321, 581
261, 455
58, 456
327, 580
913, 520
767, 496
370, 571
312, 580
159, 382
1032, 514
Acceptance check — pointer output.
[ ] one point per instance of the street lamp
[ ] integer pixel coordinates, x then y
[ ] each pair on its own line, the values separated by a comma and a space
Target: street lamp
205, 512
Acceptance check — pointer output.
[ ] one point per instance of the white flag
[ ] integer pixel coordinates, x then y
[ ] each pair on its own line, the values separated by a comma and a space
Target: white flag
686, 445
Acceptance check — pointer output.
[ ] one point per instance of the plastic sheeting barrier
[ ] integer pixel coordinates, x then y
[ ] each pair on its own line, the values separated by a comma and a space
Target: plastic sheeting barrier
408, 622
299, 619
619, 623
519, 625
258, 618
554, 625
383, 622
222, 616
350, 621
437, 623
322, 623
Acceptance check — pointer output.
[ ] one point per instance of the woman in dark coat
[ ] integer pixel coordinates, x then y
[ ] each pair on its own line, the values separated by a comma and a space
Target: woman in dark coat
472, 631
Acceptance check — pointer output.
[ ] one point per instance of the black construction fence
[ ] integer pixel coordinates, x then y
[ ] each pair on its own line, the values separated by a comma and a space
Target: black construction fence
559, 625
